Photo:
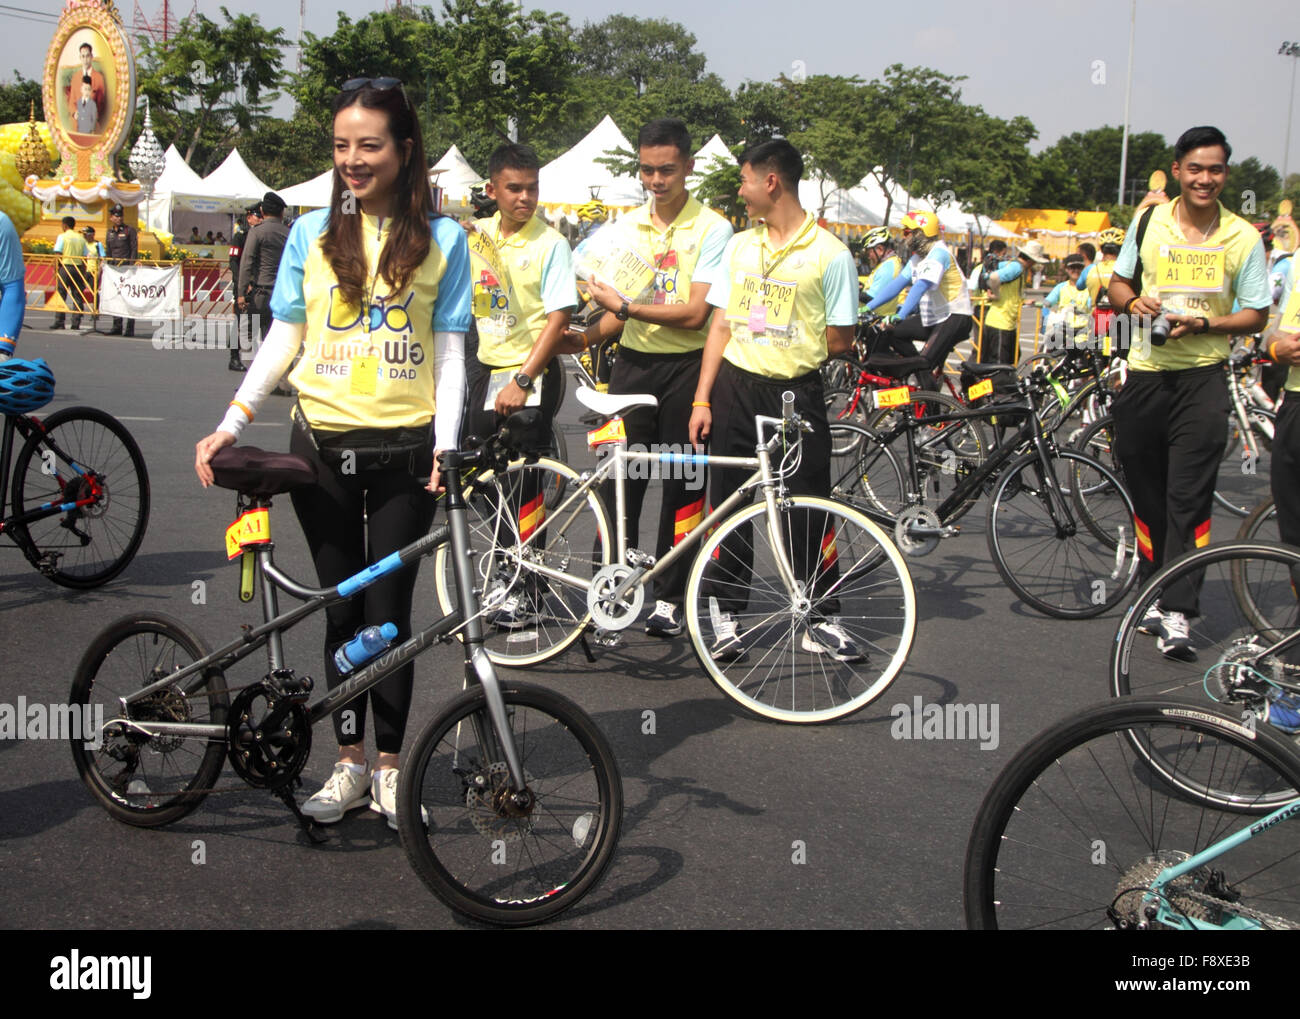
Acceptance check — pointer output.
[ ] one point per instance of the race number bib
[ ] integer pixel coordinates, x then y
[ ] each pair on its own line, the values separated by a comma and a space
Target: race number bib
766, 303
1187, 269
364, 374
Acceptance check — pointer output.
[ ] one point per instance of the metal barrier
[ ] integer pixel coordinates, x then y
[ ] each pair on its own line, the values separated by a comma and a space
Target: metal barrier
206, 286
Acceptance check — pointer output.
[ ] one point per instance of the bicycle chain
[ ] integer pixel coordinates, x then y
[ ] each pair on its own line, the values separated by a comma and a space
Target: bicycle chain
1181, 897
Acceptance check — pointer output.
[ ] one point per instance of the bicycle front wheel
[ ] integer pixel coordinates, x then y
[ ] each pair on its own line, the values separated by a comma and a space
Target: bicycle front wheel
532, 562
81, 455
1063, 541
1077, 828
497, 855
866, 475
820, 651
141, 779
1245, 468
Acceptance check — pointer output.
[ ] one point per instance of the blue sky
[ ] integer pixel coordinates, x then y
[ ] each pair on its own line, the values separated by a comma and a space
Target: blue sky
1062, 64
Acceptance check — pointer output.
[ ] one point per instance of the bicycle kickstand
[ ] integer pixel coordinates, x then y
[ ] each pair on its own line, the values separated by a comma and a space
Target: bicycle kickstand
314, 831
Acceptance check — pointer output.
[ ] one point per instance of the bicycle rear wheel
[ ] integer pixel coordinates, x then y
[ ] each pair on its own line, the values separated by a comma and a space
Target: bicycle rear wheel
147, 780
1077, 827
866, 475
82, 454
1244, 471
495, 857
786, 662
531, 561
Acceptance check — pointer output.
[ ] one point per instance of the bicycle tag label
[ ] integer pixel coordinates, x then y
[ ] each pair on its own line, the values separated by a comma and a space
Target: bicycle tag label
612, 431
252, 528
983, 388
897, 397
759, 302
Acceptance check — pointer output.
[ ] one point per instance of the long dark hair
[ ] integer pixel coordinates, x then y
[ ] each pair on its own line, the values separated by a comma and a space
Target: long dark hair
409, 236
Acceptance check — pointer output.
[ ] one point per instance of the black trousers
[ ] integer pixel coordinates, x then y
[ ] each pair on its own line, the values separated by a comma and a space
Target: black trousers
938, 339
738, 396
350, 521
672, 378
1285, 469
1171, 429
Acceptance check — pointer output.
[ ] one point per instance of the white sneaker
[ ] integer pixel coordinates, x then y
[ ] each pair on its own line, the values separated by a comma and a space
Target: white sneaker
1151, 622
383, 796
666, 620
830, 638
1175, 639
343, 791
727, 643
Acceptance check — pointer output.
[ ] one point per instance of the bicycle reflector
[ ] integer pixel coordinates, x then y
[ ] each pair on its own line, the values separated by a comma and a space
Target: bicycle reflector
25, 386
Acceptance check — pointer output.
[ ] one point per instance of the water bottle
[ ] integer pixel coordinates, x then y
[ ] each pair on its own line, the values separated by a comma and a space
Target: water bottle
363, 647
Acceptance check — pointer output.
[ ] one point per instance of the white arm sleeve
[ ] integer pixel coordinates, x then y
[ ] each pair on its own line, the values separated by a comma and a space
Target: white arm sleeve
449, 370
283, 341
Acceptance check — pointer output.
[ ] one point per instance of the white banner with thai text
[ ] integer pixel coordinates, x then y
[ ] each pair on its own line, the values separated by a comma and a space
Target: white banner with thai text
141, 291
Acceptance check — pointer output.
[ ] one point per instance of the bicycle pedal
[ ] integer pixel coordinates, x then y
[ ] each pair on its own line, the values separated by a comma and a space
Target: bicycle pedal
640, 559
607, 638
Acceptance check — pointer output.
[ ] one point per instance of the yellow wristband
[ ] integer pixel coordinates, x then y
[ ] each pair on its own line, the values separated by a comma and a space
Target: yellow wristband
701, 403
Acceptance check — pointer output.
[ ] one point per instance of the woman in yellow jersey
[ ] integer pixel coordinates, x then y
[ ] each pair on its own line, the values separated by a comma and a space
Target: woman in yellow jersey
375, 291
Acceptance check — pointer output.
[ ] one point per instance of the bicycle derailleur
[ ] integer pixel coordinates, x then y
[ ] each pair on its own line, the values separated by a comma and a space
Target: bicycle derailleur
270, 738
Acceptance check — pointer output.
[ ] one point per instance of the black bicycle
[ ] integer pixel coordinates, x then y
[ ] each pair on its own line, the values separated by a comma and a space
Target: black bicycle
509, 801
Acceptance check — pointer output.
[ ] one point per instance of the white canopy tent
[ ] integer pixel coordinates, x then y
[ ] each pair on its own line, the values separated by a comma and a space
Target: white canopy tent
235, 181
455, 176
712, 153
311, 194
574, 178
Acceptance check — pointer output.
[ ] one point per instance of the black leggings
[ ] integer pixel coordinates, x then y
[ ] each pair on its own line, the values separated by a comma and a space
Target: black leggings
389, 509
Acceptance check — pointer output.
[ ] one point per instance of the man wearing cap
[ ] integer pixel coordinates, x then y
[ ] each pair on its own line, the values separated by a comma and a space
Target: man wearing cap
237, 243
1072, 307
260, 261
1006, 288
123, 246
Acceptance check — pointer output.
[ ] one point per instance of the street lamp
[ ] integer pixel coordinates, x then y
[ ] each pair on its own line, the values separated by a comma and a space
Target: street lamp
1289, 49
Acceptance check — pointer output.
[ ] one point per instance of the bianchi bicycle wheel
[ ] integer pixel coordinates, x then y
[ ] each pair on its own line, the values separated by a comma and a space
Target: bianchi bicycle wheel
532, 563
1063, 541
866, 475
947, 452
81, 455
817, 652
1236, 601
498, 856
141, 779
1077, 829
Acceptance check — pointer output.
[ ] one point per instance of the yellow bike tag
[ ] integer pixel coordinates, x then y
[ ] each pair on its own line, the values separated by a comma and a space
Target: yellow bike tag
1186, 268
252, 528
363, 375
983, 388
897, 397
612, 431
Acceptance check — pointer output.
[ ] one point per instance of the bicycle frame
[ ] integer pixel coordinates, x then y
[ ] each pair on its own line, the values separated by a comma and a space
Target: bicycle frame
27, 427
269, 634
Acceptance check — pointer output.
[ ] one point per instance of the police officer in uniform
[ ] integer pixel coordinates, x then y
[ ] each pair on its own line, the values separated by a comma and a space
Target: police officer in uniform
237, 243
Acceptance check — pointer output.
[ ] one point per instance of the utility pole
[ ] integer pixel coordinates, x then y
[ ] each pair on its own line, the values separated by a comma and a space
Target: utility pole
1128, 95
1292, 50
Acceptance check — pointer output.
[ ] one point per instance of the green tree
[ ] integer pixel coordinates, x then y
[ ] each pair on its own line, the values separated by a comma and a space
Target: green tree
16, 100
638, 50
210, 83
989, 170
1253, 189
1092, 160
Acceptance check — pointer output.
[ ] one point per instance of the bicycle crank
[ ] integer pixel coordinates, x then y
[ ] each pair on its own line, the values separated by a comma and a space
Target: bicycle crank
608, 613
918, 530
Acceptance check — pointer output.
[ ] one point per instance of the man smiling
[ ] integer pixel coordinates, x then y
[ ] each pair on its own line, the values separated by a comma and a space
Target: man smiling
1195, 259
662, 339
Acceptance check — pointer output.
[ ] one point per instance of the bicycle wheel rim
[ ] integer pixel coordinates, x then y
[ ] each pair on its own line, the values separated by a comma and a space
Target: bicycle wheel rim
1078, 824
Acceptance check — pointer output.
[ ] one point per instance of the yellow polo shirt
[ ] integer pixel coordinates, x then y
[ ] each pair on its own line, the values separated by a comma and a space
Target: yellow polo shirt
1004, 313
518, 281
1195, 279
689, 251
779, 299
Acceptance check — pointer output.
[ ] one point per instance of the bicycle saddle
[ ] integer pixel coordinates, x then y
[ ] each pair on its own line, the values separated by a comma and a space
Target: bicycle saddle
609, 404
258, 473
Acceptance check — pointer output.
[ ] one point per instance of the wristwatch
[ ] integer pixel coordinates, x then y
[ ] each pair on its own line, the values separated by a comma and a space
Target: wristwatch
621, 314
523, 380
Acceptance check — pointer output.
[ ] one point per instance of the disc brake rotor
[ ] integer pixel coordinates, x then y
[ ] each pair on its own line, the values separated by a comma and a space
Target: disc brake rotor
484, 802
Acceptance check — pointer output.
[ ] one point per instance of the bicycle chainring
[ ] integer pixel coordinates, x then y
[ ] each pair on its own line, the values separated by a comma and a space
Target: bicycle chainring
912, 545
269, 737
608, 614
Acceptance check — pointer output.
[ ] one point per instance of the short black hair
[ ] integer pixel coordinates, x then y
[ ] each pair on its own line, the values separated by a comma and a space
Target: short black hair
86, 46
1089, 251
512, 156
1110, 249
997, 247
1199, 138
69, 223
666, 131
776, 156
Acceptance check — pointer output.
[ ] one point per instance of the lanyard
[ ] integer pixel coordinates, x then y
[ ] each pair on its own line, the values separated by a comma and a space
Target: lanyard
808, 224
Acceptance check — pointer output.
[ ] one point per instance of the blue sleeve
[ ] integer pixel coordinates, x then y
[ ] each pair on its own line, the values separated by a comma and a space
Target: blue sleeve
711, 249
11, 251
1128, 253
13, 302
840, 290
1083, 277
891, 290
558, 288
720, 289
886, 272
914, 297
1009, 271
1054, 298
451, 311
288, 302
1251, 285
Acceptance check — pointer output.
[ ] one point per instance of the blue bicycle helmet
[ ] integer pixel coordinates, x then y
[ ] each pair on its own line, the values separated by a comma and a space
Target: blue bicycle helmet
25, 386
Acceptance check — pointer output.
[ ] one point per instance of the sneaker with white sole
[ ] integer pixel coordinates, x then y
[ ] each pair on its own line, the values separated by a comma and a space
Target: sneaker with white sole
727, 645
1175, 639
830, 638
383, 796
1151, 621
666, 621
344, 790
515, 613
